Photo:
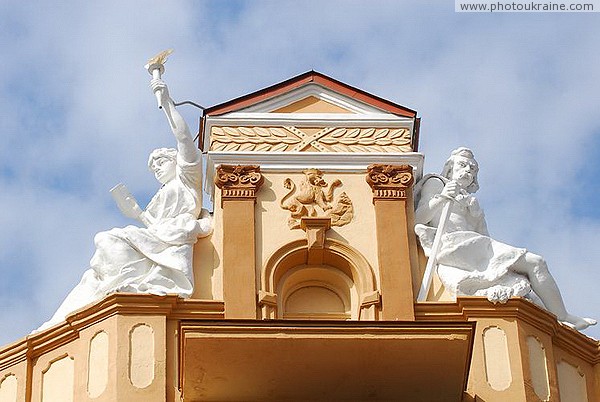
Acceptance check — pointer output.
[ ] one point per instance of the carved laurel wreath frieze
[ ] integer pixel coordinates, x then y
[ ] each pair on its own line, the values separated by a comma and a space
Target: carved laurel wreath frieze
293, 139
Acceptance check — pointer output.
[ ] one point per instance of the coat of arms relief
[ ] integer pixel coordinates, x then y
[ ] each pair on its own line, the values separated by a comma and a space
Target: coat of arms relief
314, 197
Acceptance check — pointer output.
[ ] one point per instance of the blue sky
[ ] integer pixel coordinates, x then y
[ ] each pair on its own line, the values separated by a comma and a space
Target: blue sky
78, 116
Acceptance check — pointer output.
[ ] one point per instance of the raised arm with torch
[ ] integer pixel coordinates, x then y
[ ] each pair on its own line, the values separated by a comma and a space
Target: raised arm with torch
156, 67
156, 258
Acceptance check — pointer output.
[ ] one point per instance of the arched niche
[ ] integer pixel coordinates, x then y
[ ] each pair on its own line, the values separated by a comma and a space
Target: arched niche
340, 284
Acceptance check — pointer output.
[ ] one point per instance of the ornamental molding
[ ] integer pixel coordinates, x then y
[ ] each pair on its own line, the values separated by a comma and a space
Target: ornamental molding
295, 139
238, 182
389, 181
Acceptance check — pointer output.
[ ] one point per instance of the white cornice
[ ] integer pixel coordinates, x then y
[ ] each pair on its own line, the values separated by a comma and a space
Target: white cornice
326, 161
311, 118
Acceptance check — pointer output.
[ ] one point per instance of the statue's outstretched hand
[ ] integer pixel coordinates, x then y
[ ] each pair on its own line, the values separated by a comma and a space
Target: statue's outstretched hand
159, 87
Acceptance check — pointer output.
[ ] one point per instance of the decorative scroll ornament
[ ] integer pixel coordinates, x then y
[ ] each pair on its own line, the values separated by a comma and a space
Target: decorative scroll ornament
293, 139
315, 192
238, 182
389, 181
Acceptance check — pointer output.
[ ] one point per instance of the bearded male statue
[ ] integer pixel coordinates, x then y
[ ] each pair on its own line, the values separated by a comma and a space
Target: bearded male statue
156, 258
469, 261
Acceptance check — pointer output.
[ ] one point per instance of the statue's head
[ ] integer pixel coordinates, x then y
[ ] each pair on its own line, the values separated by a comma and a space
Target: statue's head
462, 167
163, 162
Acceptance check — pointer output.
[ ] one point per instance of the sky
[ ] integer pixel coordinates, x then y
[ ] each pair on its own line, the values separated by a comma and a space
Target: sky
78, 117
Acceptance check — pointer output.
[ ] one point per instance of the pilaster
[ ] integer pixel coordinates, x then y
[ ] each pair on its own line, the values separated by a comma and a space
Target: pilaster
392, 199
239, 185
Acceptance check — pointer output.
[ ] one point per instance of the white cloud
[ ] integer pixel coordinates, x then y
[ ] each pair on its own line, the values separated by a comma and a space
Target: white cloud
78, 116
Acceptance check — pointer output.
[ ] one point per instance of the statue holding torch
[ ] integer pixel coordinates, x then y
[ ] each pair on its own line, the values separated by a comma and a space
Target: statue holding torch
155, 258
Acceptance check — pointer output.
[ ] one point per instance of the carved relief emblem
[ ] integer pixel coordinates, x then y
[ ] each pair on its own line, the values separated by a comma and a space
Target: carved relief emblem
315, 193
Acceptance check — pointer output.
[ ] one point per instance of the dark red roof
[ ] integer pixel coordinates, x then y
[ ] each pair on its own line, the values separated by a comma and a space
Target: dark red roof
303, 79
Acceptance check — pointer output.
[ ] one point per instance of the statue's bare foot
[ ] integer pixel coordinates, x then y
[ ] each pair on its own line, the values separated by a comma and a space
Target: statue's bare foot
577, 322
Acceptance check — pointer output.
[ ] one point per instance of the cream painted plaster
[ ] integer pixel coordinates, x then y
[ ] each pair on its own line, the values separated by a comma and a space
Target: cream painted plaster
545, 339
272, 231
58, 380
19, 372
77, 350
497, 361
311, 104
478, 383
438, 292
571, 383
97, 345
271, 220
172, 362
266, 361
61, 371
205, 259
538, 367
98, 364
216, 276
239, 259
316, 299
141, 356
132, 361
586, 374
53, 365
317, 292
9, 388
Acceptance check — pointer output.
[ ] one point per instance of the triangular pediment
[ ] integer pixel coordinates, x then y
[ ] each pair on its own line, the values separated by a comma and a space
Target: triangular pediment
311, 92
312, 98
310, 113
309, 121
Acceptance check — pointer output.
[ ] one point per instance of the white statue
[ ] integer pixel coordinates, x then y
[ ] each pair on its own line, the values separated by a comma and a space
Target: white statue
156, 258
469, 261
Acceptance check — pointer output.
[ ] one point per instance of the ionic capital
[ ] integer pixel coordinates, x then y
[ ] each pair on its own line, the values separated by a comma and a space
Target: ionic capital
389, 181
239, 182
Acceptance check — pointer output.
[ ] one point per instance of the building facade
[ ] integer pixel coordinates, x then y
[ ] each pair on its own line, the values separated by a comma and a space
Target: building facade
306, 290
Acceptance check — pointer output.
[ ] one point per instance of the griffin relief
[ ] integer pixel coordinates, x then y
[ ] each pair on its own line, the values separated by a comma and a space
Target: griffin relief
313, 193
